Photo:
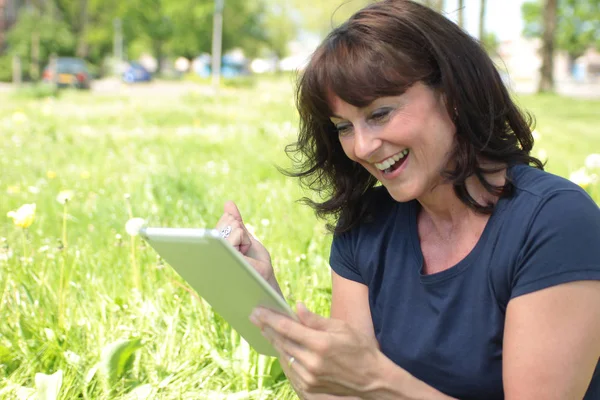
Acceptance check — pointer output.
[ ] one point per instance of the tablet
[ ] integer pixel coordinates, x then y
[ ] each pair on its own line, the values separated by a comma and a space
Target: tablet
220, 275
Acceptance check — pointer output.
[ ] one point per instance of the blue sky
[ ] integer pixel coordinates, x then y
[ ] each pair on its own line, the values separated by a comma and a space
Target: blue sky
502, 17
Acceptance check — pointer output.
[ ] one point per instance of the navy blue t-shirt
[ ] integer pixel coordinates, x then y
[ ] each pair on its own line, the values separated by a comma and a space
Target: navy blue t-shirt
446, 329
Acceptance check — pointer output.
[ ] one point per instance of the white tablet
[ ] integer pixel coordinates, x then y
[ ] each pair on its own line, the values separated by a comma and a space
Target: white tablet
219, 274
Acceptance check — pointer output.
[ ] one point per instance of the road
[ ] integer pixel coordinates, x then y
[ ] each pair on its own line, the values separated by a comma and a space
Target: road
174, 88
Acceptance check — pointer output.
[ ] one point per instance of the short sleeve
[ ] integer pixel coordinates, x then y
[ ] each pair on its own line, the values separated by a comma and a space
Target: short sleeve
341, 258
562, 243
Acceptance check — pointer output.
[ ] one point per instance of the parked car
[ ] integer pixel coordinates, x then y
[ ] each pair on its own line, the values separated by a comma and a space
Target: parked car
231, 67
67, 72
136, 72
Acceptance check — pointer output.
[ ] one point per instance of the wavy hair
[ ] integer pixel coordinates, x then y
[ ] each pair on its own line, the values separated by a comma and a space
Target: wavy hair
382, 50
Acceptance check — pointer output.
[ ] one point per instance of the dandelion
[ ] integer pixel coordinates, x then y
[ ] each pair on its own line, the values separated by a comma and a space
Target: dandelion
24, 216
133, 226
71, 357
593, 161
64, 196
582, 178
13, 189
51, 174
19, 117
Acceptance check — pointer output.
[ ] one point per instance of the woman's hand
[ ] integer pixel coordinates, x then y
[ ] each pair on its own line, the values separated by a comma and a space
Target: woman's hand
321, 355
241, 239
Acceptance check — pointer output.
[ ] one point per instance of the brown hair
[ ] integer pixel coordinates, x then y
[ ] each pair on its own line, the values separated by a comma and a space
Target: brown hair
382, 50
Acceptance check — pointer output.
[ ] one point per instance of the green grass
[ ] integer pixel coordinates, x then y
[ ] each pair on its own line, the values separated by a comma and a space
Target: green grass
178, 159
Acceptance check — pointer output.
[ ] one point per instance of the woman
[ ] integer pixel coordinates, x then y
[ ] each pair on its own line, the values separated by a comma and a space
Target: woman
460, 269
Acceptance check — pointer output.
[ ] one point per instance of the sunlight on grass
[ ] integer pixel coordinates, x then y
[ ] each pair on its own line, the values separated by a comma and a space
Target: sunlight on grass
82, 299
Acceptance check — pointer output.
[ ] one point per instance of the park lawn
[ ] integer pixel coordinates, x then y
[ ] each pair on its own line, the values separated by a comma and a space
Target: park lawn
75, 286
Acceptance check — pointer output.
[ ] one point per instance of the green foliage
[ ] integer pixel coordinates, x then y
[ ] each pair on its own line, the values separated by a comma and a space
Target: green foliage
491, 42
36, 91
55, 37
117, 358
320, 17
6, 68
160, 27
578, 25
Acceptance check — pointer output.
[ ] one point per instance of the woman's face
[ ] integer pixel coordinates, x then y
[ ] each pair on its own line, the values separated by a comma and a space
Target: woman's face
404, 141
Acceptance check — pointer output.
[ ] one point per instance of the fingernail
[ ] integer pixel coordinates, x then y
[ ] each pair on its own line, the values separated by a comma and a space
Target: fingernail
255, 316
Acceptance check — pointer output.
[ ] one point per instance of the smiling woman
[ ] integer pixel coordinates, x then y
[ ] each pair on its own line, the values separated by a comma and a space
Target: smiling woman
460, 268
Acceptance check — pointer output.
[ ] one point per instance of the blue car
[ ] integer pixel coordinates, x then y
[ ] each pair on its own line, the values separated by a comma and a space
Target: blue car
136, 73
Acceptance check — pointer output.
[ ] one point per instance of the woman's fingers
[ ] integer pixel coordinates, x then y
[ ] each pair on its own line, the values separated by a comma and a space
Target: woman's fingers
238, 237
231, 208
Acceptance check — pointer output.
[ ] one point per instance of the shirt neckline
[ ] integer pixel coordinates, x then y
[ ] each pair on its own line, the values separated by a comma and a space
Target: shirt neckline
463, 264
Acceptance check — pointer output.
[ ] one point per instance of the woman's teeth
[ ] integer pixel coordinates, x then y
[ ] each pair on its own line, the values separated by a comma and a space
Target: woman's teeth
387, 164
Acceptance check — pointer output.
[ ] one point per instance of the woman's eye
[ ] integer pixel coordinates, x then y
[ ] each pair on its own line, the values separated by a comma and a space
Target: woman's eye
343, 129
380, 115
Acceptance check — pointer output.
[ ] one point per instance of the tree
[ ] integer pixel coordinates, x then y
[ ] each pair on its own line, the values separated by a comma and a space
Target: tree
577, 29
549, 28
461, 13
320, 17
482, 11
437, 5
36, 35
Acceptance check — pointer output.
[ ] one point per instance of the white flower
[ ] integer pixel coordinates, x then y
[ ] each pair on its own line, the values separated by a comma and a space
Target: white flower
265, 222
64, 196
72, 358
536, 135
592, 161
134, 225
5, 254
582, 178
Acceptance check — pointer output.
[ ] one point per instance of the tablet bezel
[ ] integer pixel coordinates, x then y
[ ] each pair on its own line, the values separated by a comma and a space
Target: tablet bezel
165, 240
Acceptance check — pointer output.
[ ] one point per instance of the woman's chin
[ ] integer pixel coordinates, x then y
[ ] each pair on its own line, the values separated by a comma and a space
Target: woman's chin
401, 195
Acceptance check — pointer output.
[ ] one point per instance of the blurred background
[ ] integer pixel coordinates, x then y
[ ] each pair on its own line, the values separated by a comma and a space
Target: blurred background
142, 40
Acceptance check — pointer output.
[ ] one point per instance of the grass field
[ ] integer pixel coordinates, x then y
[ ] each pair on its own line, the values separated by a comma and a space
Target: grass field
81, 299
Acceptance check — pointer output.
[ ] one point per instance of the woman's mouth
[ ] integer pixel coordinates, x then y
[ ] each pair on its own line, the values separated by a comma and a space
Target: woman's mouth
393, 163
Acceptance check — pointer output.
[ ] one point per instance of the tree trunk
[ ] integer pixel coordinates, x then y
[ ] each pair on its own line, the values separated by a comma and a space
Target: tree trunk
2, 28
34, 66
547, 70
461, 13
482, 20
158, 53
82, 48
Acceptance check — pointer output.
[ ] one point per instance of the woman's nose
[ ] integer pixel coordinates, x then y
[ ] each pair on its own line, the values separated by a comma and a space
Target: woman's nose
366, 142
